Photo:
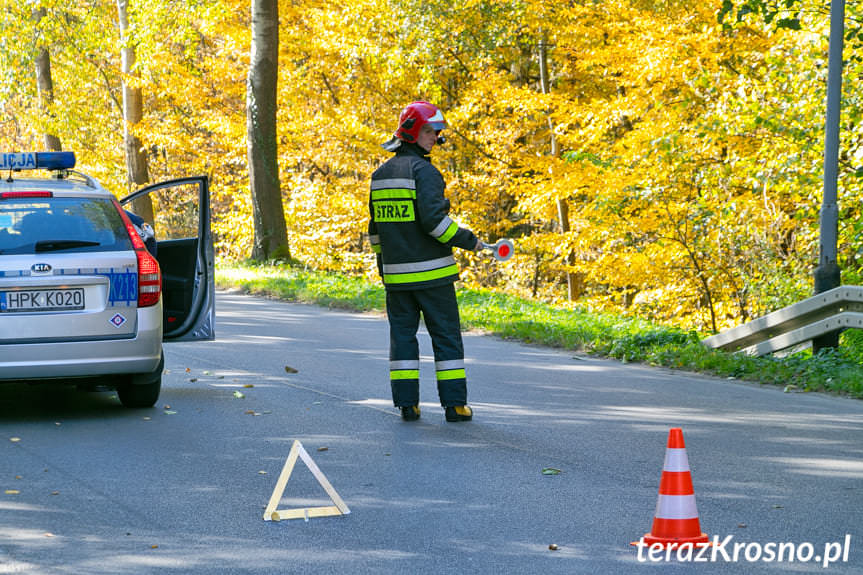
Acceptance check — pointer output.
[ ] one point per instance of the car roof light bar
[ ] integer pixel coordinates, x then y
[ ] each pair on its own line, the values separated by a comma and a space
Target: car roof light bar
37, 160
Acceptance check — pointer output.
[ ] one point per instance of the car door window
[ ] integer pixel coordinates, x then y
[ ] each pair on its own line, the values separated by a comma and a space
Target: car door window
181, 224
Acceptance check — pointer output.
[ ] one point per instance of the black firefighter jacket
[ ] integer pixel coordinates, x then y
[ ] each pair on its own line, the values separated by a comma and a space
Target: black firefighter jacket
409, 228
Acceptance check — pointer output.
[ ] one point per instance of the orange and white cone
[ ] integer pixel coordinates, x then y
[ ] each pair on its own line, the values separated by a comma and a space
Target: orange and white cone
676, 519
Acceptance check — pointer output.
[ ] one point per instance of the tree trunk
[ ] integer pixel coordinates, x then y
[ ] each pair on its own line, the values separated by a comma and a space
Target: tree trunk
133, 110
271, 237
45, 85
46, 94
573, 284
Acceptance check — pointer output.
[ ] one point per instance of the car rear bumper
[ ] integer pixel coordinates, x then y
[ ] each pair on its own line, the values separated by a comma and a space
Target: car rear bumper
139, 354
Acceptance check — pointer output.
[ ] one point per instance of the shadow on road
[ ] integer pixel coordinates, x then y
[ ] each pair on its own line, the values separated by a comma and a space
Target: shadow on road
22, 402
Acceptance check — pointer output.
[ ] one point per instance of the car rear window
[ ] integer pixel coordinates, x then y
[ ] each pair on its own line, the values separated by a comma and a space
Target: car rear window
36, 225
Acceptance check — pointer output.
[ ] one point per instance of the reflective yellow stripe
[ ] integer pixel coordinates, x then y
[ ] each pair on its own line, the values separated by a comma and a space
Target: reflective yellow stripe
394, 194
422, 266
449, 233
405, 374
421, 276
451, 374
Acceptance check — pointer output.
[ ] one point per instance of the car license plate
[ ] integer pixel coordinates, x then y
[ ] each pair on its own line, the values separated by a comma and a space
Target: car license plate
42, 300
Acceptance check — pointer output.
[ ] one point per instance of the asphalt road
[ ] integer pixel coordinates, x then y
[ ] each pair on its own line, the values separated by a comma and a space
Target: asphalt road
87, 486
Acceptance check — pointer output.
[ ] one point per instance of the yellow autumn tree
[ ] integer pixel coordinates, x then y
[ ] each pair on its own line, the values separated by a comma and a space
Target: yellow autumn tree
665, 162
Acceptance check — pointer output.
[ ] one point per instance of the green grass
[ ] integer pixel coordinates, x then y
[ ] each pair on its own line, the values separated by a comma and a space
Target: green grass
606, 335
294, 284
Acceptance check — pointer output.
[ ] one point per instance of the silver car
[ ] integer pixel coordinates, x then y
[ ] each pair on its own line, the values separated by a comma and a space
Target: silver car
82, 298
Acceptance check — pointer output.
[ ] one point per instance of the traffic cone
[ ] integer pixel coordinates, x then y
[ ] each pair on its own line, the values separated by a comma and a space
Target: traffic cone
676, 519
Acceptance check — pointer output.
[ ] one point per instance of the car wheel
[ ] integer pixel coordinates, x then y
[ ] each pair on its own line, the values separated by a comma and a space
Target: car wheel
142, 389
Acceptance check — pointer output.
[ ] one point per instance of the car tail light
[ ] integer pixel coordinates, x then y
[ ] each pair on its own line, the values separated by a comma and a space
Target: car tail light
149, 275
149, 278
26, 194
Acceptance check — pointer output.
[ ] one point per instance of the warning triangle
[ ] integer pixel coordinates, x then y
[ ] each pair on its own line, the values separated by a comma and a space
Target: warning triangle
273, 514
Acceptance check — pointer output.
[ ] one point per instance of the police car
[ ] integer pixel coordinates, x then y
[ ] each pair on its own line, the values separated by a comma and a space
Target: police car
82, 299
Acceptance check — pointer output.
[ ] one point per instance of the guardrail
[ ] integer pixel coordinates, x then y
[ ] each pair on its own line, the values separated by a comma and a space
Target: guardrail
833, 310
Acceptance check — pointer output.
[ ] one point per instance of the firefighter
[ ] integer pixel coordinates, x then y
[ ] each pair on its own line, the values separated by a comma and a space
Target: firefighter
413, 236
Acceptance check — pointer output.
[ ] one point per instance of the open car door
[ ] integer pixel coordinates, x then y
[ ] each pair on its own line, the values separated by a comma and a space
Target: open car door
185, 252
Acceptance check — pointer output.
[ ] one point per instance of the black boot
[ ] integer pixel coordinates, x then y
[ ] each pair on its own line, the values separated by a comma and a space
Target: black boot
411, 412
459, 413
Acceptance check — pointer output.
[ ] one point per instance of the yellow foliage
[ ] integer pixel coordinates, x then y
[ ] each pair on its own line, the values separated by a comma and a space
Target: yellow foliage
687, 154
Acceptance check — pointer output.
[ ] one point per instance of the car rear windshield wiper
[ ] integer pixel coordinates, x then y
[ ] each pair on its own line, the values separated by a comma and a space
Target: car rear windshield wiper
56, 245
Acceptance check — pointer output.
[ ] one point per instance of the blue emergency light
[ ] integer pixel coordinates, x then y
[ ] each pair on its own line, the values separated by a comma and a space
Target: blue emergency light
37, 160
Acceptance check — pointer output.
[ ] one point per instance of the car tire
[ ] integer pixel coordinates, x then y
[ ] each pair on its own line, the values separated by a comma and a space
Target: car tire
142, 389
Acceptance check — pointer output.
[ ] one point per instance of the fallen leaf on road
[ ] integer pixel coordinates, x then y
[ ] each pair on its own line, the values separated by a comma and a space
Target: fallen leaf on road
741, 525
169, 412
262, 472
193, 379
147, 418
188, 370
323, 448
167, 406
48, 534
12, 492
550, 471
55, 493
248, 385
290, 369
207, 373
553, 547
238, 395
18, 477
154, 546
14, 439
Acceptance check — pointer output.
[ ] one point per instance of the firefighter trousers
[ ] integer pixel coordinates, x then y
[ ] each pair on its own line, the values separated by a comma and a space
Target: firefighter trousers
439, 309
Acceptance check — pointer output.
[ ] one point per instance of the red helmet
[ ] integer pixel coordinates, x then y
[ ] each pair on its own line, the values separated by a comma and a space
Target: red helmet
412, 119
